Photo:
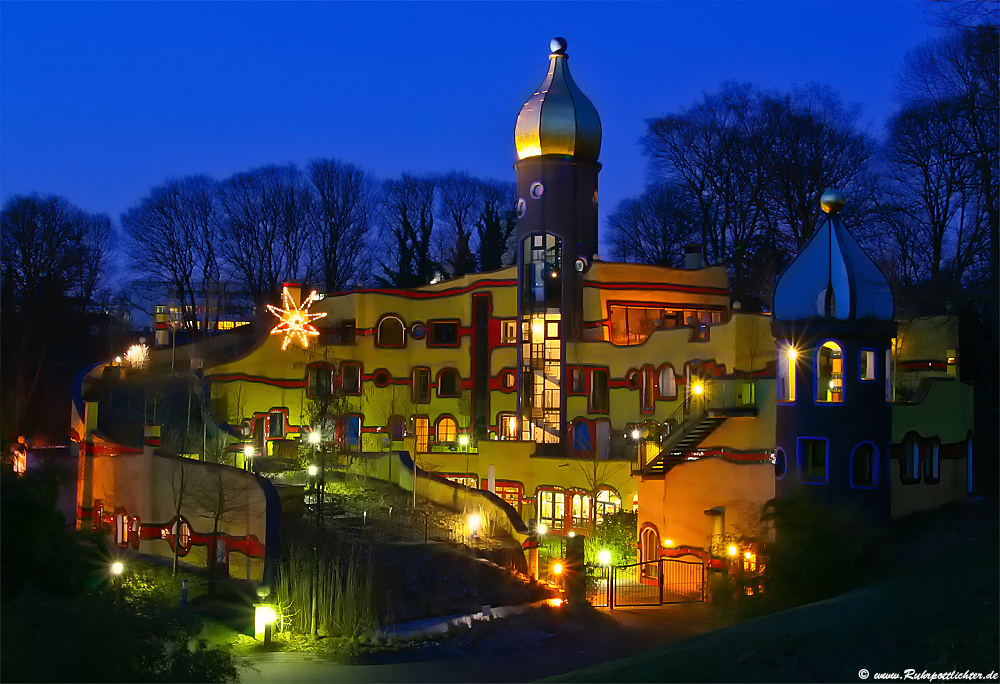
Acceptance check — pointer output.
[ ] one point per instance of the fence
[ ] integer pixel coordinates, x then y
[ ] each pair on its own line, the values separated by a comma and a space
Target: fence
648, 583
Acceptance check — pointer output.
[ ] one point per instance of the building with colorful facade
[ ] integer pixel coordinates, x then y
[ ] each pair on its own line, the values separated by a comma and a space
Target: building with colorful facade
572, 386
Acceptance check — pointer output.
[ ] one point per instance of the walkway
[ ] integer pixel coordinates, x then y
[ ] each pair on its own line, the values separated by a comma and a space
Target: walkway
517, 654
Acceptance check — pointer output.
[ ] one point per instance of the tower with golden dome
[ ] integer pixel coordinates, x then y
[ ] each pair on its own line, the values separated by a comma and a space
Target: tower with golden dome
558, 140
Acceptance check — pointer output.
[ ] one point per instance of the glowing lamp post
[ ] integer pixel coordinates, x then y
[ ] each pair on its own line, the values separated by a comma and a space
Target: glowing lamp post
312, 470
248, 453
264, 616
604, 557
463, 441
315, 437
475, 522
116, 579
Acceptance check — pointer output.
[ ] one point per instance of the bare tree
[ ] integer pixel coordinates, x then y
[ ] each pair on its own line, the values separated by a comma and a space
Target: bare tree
172, 235
340, 216
406, 227
180, 486
53, 262
460, 206
652, 228
496, 225
222, 500
264, 230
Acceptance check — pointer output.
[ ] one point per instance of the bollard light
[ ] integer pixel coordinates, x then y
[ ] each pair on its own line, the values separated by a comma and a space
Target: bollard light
117, 567
571, 534
314, 437
557, 569
474, 523
542, 528
463, 441
604, 557
313, 470
264, 615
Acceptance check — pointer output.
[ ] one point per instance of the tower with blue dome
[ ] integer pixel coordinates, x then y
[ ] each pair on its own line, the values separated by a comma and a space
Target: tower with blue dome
834, 324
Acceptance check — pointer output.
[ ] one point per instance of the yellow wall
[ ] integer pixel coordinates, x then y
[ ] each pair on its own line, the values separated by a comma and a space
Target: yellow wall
676, 504
921, 496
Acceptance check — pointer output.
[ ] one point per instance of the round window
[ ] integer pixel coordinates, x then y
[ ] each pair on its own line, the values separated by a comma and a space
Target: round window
581, 264
521, 207
537, 189
381, 378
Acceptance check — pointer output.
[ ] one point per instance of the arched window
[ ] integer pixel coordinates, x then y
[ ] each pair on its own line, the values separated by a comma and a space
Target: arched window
581, 509
551, 507
668, 383
390, 332
447, 430
864, 465
581, 437
608, 502
830, 373
909, 461
449, 383
932, 463
649, 550
787, 360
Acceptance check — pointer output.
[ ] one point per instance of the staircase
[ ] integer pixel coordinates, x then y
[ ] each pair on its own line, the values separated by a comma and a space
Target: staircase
679, 446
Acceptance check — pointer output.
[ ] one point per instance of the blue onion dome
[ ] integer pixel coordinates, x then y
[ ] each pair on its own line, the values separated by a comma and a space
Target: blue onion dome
832, 277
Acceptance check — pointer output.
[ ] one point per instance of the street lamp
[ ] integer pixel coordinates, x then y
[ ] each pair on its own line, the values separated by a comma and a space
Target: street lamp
248, 456
474, 523
312, 470
116, 580
604, 557
463, 441
314, 438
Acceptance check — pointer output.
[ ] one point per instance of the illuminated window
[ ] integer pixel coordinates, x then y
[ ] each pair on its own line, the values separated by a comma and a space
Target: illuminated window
511, 492
829, 373
443, 334
421, 426
599, 396
608, 502
448, 383
508, 332
812, 459
581, 510
468, 480
551, 508
787, 361
508, 426
276, 425
863, 466
447, 430
350, 378
121, 528
421, 387
866, 365
390, 332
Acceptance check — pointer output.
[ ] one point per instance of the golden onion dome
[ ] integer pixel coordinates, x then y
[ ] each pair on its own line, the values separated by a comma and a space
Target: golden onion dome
558, 118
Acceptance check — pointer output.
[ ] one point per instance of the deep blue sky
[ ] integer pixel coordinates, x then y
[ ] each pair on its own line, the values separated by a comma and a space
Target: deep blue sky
100, 101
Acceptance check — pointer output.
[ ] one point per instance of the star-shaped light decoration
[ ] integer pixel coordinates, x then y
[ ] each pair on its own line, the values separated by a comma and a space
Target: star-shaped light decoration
295, 320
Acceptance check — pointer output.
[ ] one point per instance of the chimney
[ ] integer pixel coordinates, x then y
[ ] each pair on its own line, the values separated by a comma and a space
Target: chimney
693, 256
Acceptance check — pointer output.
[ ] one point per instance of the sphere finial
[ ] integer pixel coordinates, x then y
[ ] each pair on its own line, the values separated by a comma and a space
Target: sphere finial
558, 45
832, 201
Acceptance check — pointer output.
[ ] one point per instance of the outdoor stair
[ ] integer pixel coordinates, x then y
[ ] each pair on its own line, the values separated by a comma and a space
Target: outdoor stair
679, 450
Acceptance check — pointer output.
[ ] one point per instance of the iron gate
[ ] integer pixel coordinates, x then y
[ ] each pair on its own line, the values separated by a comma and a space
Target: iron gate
648, 583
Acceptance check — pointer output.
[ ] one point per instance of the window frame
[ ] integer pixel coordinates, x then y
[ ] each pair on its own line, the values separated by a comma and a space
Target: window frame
931, 463
872, 483
425, 372
378, 332
555, 522
871, 365
435, 325
438, 439
508, 331
313, 371
270, 425
605, 398
356, 367
504, 420
817, 354
509, 487
458, 383
660, 376
799, 461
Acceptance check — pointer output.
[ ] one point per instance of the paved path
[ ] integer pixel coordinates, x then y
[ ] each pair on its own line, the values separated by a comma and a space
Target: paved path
515, 656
